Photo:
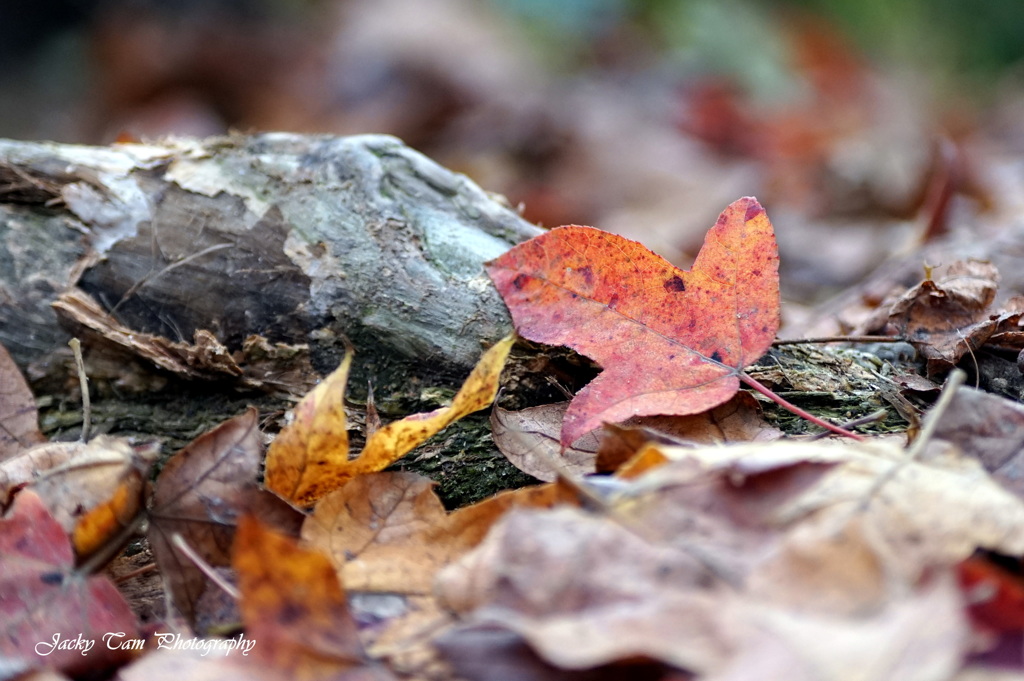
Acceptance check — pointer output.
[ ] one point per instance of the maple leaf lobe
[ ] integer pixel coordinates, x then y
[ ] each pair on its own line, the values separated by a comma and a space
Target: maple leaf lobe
670, 341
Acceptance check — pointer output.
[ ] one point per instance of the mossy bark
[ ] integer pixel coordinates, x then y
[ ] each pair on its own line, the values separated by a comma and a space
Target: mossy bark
318, 240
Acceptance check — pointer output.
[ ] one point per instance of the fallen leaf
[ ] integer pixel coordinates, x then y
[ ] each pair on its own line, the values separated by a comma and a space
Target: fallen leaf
19, 428
947, 317
388, 535
906, 521
990, 429
529, 439
44, 603
316, 440
200, 494
388, 532
584, 592
670, 341
93, 489
293, 605
738, 420
309, 458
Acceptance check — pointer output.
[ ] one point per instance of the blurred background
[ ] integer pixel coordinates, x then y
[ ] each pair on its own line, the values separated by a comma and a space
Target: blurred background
864, 127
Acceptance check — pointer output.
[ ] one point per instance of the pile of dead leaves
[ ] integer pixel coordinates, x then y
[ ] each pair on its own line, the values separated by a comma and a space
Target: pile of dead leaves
708, 548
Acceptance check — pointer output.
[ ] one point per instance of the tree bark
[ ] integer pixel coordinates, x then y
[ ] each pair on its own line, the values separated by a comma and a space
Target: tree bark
299, 239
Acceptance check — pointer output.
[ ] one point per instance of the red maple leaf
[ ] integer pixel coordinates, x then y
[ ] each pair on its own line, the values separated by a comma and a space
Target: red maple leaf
670, 341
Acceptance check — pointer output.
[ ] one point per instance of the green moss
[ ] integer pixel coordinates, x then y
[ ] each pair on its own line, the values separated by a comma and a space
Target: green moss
465, 464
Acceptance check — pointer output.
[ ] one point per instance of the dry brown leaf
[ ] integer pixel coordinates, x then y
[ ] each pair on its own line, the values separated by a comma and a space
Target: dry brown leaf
389, 533
373, 529
930, 513
918, 636
19, 427
946, 317
94, 489
529, 439
586, 592
988, 428
309, 458
200, 494
738, 420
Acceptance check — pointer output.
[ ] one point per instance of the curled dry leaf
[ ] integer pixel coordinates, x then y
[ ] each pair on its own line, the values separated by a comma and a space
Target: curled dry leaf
42, 599
669, 341
529, 439
200, 494
94, 489
946, 317
19, 427
309, 458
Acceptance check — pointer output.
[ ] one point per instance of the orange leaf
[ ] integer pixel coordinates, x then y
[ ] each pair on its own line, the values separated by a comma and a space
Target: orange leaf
315, 442
293, 605
310, 457
395, 440
670, 341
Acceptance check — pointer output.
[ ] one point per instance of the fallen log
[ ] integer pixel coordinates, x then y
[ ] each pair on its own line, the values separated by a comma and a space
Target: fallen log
251, 262
298, 239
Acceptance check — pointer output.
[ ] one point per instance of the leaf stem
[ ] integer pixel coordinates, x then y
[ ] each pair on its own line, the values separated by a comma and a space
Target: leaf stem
789, 406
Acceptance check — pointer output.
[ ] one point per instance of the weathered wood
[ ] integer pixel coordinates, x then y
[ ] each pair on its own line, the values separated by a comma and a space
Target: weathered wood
296, 238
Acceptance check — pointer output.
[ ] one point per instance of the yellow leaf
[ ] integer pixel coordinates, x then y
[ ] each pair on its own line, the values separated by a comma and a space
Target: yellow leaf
395, 440
316, 442
310, 457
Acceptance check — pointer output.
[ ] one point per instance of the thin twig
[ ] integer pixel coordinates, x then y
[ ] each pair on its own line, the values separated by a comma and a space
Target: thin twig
137, 572
931, 422
873, 417
179, 543
840, 339
83, 380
